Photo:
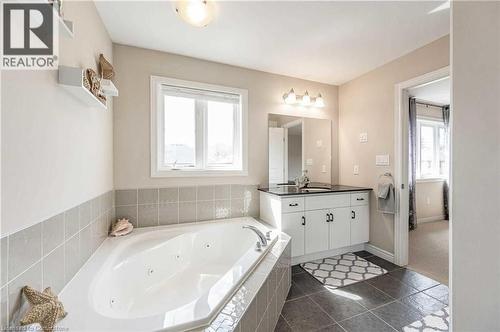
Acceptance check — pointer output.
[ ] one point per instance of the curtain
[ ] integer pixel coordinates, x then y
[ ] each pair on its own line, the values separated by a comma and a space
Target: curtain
446, 120
412, 176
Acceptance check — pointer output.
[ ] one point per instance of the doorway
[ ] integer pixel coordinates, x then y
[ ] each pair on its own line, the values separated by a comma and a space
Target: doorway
428, 247
425, 248
285, 149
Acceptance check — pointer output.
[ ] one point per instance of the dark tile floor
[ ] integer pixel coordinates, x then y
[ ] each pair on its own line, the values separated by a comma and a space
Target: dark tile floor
385, 303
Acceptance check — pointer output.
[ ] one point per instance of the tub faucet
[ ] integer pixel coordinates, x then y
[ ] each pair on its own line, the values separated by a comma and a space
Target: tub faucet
262, 237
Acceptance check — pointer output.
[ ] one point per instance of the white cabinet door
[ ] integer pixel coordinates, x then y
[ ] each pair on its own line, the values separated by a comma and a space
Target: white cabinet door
340, 228
292, 224
360, 224
316, 238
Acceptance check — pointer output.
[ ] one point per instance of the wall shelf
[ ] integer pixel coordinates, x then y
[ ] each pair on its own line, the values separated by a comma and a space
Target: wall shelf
71, 78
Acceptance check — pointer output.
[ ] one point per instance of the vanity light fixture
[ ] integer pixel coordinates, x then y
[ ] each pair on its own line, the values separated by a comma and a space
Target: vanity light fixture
319, 102
198, 13
306, 100
291, 98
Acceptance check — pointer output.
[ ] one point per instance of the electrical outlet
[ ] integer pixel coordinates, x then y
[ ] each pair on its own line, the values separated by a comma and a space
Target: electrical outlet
356, 170
309, 162
363, 137
323, 169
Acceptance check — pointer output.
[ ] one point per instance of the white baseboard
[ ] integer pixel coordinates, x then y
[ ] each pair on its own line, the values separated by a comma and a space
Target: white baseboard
325, 254
430, 219
379, 252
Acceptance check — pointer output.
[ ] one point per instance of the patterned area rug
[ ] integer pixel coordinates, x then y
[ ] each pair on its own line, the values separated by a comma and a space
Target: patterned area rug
342, 270
436, 322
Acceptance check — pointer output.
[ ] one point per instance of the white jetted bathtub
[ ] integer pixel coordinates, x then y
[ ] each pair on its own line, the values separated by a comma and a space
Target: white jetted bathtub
170, 278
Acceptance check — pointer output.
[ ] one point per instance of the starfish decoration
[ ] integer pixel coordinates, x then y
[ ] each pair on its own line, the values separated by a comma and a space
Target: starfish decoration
46, 309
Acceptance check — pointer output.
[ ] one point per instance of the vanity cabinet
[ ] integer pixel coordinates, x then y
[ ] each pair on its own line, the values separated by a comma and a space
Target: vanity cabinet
340, 228
293, 225
316, 230
319, 222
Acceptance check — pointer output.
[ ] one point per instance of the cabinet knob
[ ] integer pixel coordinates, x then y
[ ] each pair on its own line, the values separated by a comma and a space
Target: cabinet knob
328, 217
353, 215
360, 199
303, 221
293, 204
331, 216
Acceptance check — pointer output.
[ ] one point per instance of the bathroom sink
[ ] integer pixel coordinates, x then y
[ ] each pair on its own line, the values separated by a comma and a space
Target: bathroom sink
314, 189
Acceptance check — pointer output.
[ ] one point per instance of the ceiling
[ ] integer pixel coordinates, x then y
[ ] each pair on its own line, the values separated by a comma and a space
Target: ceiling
329, 42
437, 92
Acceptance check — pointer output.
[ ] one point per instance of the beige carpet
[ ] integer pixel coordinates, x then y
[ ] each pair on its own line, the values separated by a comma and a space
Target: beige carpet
429, 250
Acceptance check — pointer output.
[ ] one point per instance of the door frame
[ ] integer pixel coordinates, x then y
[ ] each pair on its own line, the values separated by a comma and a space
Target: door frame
401, 159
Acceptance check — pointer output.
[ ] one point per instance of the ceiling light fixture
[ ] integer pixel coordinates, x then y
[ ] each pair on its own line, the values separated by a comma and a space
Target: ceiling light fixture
291, 98
198, 13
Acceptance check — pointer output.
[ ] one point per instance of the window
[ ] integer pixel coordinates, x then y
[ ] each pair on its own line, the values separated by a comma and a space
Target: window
432, 150
197, 129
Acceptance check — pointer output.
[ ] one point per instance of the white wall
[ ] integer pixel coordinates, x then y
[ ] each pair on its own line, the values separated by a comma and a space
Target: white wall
366, 105
430, 206
56, 152
475, 218
132, 125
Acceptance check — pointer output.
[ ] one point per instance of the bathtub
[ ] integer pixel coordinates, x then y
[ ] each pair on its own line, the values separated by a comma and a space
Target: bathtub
167, 278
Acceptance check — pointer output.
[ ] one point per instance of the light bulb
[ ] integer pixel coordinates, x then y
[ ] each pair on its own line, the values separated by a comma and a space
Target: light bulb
306, 100
290, 97
195, 12
319, 102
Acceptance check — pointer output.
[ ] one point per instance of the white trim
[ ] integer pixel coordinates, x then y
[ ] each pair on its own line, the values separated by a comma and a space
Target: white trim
155, 134
429, 180
379, 252
401, 162
430, 219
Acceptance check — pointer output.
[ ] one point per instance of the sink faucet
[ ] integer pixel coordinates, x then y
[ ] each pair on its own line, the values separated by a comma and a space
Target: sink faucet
302, 181
262, 237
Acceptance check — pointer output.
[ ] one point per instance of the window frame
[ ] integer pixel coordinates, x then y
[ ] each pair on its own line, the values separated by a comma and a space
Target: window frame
436, 124
158, 169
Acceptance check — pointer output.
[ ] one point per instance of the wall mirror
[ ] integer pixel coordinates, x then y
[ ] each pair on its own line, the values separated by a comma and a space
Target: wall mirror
297, 144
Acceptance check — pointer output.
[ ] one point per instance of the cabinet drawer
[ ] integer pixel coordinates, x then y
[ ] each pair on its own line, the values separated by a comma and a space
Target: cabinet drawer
327, 201
292, 204
359, 199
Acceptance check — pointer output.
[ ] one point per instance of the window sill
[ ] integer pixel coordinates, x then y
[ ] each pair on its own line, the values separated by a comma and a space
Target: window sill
182, 173
425, 180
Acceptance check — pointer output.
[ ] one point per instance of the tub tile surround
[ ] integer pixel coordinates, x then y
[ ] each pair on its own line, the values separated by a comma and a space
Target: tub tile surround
256, 306
173, 205
51, 252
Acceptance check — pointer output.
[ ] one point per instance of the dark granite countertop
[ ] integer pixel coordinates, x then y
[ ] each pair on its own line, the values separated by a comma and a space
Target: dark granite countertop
312, 188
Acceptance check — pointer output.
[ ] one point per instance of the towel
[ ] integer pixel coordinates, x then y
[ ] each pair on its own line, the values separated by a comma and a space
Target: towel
384, 186
386, 195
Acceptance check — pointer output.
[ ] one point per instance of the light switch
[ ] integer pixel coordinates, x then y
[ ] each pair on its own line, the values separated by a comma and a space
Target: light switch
309, 162
356, 170
382, 160
363, 137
